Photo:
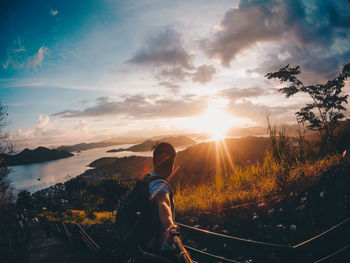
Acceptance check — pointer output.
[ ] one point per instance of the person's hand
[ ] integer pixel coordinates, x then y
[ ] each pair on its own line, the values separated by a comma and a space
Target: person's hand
169, 230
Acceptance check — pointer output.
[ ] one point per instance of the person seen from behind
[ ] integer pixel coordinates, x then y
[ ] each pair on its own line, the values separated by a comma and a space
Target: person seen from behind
161, 194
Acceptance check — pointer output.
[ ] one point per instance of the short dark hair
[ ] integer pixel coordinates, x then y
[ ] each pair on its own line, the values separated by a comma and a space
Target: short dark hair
163, 154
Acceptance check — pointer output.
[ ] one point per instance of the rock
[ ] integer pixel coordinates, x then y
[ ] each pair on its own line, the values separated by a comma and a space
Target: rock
322, 194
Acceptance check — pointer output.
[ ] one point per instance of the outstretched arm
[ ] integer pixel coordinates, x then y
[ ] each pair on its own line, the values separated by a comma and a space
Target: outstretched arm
165, 213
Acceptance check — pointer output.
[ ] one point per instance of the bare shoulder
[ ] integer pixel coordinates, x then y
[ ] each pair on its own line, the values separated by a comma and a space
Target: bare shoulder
162, 197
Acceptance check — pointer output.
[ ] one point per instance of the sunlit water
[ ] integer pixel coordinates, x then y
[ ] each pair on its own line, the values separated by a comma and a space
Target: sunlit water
58, 171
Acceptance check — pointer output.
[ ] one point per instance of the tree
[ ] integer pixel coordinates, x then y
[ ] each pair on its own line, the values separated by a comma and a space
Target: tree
327, 106
6, 190
24, 200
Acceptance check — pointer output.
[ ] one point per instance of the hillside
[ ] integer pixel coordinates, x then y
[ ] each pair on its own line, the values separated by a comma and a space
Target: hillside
40, 154
105, 143
202, 161
176, 141
195, 164
126, 168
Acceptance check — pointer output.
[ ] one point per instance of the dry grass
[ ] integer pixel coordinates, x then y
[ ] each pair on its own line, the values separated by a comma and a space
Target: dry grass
252, 183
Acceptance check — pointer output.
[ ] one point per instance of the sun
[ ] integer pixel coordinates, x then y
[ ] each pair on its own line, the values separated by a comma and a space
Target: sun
215, 122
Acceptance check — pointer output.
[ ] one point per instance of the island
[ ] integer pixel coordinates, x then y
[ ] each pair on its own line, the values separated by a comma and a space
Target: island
40, 154
106, 143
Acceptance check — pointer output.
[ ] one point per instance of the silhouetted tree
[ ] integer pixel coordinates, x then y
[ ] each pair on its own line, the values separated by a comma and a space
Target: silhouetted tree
6, 191
327, 105
24, 200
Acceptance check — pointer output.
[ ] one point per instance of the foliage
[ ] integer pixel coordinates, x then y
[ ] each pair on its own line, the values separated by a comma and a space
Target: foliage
82, 194
6, 190
327, 105
250, 184
24, 200
342, 137
79, 216
279, 144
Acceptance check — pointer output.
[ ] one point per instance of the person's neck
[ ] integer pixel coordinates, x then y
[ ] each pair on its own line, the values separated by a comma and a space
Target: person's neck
162, 173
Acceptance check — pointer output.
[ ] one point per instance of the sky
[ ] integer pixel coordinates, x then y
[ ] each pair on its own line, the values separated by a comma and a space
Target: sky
84, 70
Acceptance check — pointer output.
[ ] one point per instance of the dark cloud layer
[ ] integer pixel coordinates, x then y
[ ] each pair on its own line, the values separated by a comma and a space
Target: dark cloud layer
203, 74
236, 93
170, 86
167, 55
149, 107
165, 49
315, 34
139, 107
174, 74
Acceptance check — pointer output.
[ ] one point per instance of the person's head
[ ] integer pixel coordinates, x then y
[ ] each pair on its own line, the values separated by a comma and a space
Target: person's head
163, 158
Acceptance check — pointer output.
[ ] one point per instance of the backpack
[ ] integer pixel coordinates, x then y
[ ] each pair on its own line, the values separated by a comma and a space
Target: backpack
134, 221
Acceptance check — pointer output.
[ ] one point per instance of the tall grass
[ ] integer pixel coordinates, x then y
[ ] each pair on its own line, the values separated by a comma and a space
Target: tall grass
286, 168
252, 183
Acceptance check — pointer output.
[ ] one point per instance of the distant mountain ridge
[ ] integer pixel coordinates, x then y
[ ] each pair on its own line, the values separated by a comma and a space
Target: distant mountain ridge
40, 154
176, 141
104, 143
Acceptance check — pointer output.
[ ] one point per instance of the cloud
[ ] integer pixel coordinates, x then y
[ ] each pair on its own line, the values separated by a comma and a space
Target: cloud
170, 86
204, 74
140, 107
165, 49
43, 121
81, 127
166, 53
65, 112
35, 60
309, 33
17, 57
236, 93
51, 131
172, 74
53, 12
43, 127
82, 101
257, 112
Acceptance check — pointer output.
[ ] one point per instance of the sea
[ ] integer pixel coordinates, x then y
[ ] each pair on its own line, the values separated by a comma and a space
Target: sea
37, 176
